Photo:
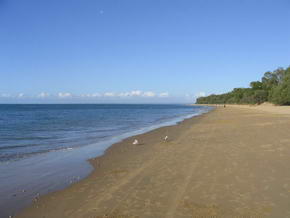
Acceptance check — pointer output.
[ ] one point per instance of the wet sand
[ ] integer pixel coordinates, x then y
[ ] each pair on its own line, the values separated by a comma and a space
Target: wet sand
231, 162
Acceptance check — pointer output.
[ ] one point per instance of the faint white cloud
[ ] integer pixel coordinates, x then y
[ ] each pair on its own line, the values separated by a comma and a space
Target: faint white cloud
64, 95
192, 97
43, 95
20, 95
189, 96
200, 94
149, 94
124, 94
3, 95
94, 95
164, 95
134, 93
109, 94
84, 95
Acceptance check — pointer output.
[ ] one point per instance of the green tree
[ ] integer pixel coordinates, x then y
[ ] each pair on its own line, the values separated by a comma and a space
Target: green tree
281, 93
257, 85
274, 87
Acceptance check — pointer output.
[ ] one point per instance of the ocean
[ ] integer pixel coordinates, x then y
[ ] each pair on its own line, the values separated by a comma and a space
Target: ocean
44, 148
28, 130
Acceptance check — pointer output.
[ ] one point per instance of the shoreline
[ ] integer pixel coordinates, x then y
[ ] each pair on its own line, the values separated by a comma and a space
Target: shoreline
162, 131
231, 162
17, 200
122, 146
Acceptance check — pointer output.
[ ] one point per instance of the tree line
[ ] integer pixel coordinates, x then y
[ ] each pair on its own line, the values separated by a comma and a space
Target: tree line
274, 87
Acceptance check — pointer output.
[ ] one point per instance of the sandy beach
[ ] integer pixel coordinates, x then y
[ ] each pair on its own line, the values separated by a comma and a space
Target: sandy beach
231, 162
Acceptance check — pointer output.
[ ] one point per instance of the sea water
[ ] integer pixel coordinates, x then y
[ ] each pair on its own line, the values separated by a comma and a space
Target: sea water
43, 148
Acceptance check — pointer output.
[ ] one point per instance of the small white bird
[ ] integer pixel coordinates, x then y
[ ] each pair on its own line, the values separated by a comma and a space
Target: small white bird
166, 138
135, 142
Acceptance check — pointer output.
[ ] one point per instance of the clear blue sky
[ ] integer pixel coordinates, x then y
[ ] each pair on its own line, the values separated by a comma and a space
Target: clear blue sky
169, 50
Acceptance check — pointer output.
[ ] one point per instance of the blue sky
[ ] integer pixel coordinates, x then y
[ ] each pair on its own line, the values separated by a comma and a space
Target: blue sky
137, 51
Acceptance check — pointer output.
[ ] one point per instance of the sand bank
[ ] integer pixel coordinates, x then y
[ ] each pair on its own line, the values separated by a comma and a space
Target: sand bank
231, 162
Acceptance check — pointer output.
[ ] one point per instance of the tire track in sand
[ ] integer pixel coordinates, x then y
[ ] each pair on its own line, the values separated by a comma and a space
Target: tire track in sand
183, 187
138, 172
157, 160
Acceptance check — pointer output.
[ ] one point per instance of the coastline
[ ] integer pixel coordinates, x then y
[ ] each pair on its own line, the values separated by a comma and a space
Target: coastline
151, 137
54, 169
213, 165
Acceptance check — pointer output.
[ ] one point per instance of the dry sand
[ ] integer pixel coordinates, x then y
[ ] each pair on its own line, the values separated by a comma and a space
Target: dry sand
232, 162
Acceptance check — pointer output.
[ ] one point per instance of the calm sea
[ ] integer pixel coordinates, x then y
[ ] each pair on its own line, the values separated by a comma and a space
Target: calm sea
44, 147
27, 130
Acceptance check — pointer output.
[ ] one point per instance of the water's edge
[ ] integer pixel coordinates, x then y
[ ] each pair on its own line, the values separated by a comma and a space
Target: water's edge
78, 159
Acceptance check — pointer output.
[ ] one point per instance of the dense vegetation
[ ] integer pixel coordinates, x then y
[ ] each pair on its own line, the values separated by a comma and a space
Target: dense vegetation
274, 87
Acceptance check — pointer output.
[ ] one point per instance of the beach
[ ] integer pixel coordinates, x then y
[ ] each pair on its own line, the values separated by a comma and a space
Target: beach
49, 146
230, 162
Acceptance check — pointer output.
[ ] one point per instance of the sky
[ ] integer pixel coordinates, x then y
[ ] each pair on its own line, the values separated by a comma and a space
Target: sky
137, 51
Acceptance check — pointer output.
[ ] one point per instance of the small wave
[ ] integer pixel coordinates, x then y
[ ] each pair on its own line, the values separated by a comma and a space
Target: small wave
25, 138
81, 136
4, 158
17, 146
